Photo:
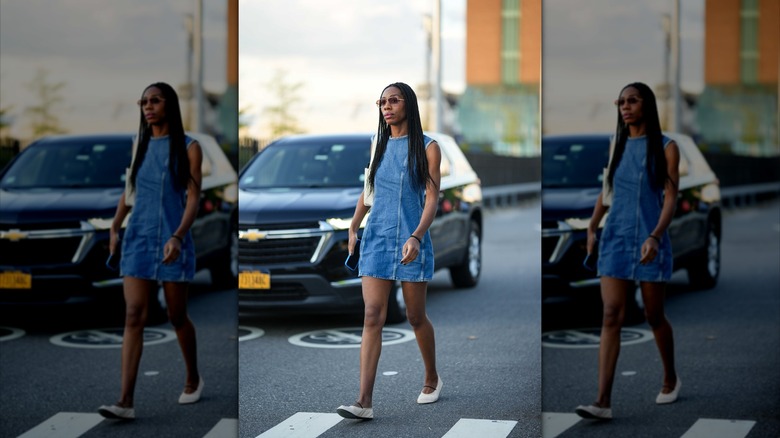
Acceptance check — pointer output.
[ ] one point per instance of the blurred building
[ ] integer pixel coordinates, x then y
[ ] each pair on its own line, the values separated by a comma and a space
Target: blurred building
499, 110
738, 109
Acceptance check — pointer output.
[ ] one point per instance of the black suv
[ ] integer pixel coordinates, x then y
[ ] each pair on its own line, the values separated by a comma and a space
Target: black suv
571, 182
296, 201
57, 202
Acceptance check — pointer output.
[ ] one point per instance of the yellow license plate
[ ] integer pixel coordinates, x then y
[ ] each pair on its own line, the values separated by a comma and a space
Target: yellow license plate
254, 280
15, 280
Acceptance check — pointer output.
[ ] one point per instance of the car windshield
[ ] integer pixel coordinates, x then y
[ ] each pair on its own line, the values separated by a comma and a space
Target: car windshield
308, 164
573, 163
70, 164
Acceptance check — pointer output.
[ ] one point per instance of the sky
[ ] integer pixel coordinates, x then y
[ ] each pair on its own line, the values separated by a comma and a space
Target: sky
592, 48
343, 52
105, 52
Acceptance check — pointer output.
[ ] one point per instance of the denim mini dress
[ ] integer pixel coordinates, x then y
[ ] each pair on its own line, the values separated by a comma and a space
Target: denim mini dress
159, 208
398, 207
636, 208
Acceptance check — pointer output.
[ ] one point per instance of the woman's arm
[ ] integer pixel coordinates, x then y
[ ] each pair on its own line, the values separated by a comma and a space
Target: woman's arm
195, 155
116, 225
354, 226
650, 247
598, 214
412, 246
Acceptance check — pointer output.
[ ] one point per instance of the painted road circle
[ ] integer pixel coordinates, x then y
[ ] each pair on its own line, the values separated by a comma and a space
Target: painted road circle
348, 337
246, 333
10, 333
108, 338
590, 337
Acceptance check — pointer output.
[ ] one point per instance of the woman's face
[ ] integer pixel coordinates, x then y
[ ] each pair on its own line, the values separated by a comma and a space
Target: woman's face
630, 106
394, 113
153, 106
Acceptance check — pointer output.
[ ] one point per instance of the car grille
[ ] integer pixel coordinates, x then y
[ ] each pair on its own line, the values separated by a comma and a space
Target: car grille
277, 251
278, 292
39, 251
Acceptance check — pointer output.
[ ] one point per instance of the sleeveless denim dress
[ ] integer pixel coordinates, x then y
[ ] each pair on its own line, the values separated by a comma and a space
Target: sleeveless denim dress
636, 208
398, 207
157, 213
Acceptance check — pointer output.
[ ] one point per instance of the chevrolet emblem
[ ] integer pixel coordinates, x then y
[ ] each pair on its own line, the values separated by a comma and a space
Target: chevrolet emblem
13, 235
252, 235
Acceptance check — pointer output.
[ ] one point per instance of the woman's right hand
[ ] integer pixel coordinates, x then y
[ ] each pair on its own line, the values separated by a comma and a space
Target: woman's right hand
591, 245
352, 242
113, 243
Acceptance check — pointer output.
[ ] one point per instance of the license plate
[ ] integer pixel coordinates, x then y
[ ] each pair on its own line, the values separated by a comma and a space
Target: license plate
254, 280
15, 280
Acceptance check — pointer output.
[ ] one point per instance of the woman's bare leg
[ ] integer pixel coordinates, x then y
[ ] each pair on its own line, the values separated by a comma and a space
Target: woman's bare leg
136, 292
176, 298
653, 296
613, 295
375, 294
414, 296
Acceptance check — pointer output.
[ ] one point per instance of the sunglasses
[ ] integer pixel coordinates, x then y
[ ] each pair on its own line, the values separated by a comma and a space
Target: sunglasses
392, 100
631, 101
153, 100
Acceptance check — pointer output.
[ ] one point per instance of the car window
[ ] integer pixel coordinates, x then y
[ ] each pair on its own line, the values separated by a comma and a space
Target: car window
71, 163
574, 163
308, 164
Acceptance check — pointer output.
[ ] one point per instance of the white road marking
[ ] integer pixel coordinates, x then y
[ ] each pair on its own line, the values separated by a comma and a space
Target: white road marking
710, 428
64, 425
469, 428
226, 427
302, 425
254, 333
555, 423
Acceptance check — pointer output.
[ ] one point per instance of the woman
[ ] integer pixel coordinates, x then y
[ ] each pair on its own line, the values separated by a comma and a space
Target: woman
396, 245
634, 244
157, 245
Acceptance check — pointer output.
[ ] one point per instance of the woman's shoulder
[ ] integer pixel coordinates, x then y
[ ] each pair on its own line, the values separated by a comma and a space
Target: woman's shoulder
188, 141
427, 141
666, 141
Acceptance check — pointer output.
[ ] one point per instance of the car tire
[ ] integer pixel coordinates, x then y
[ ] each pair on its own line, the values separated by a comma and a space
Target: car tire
704, 270
467, 273
396, 306
226, 274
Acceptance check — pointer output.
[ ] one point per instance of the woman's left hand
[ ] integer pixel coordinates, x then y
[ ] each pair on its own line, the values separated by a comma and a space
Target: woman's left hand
649, 251
171, 250
410, 250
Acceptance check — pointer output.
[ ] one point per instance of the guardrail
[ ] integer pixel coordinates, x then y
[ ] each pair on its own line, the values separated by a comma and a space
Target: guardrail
731, 197
749, 194
510, 195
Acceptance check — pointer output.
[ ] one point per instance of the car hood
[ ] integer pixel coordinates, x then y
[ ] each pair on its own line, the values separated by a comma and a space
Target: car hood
271, 206
566, 203
19, 206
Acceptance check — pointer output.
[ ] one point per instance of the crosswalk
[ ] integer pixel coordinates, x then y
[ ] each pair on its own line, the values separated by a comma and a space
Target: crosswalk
314, 424
556, 423
76, 424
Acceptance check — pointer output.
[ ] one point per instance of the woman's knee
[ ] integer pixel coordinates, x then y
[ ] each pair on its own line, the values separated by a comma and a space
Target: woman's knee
374, 315
416, 319
655, 319
135, 315
613, 316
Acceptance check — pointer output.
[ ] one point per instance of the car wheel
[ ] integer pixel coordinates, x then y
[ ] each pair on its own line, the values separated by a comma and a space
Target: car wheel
396, 306
704, 270
467, 273
226, 274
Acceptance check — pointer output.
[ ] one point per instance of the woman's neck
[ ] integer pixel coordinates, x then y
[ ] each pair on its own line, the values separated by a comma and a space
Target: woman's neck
160, 130
636, 130
399, 131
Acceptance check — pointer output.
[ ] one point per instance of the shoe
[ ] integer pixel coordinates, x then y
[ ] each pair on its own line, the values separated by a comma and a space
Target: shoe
671, 397
355, 412
593, 412
432, 397
115, 412
185, 398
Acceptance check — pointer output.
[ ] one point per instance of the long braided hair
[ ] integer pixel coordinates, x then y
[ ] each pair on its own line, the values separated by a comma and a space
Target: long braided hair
417, 162
656, 159
178, 161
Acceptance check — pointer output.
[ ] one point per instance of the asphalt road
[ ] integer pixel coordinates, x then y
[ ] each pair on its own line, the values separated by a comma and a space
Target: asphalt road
727, 346
53, 390
488, 356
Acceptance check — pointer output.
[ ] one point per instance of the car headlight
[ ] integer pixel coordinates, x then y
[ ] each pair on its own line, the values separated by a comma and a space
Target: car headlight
582, 223
105, 223
339, 224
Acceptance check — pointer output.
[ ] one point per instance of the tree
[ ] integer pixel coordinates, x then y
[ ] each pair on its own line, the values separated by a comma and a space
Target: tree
48, 96
282, 120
